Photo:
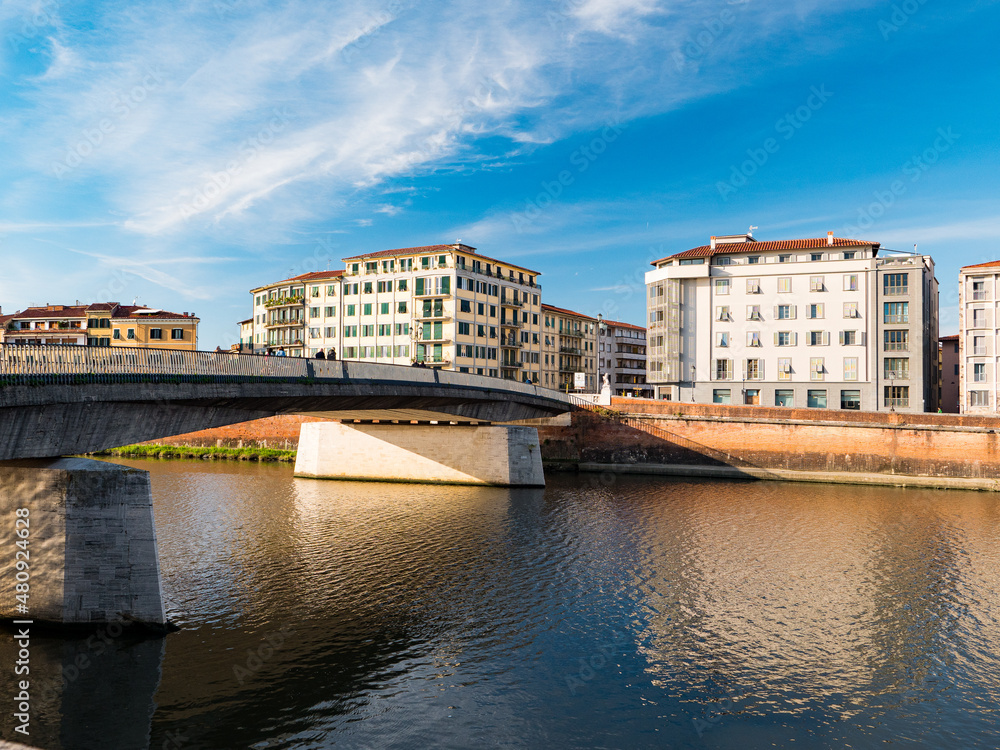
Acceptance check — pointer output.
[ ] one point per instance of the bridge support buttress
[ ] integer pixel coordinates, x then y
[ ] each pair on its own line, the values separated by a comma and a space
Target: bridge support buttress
494, 455
91, 543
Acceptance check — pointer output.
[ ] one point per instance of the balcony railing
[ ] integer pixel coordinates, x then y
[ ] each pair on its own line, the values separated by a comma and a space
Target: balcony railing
978, 296
570, 350
510, 323
574, 334
509, 302
283, 301
980, 350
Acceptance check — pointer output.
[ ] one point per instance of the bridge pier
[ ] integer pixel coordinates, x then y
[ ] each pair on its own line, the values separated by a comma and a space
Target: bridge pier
91, 543
495, 455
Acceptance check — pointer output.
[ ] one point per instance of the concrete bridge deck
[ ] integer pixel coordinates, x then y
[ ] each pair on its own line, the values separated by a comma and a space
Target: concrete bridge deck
61, 400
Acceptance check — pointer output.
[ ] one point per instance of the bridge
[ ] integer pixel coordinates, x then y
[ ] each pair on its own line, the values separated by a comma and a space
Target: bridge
95, 518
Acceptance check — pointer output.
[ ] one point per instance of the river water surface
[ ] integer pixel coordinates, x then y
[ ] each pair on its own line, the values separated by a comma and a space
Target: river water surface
601, 612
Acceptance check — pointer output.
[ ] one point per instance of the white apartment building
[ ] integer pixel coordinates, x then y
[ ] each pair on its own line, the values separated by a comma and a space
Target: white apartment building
569, 350
300, 315
979, 345
621, 355
822, 323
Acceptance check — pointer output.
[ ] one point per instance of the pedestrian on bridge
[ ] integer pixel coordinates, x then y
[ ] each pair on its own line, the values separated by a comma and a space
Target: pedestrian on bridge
320, 354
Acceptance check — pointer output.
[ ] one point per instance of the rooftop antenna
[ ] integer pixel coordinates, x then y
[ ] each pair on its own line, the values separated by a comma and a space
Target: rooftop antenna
750, 230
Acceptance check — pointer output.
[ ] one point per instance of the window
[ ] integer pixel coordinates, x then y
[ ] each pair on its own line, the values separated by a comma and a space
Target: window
786, 338
978, 318
784, 284
816, 399
383, 308
817, 284
751, 396
367, 287
815, 256
849, 255
117, 334
784, 312
753, 259
385, 286
851, 282
329, 312
816, 311
851, 310
350, 331
721, 339
897, 368
368, 330
896, 341
753, 338
979, 398
895, 284
156, 333
784, 397
352, 309
723, 369
979, 345
848, 338
784, 368
401, 285
722, 396
464, 329
979, 289
753, 312
401, 307
979, 373
895, 312
465, 306
850, 368
816, 368
818, 338
897, 395
850, 400
753, 286
177, 334
691, 262
330, 331
723, 260
785, 258
722, 313
754, 369
402, 329
722, 286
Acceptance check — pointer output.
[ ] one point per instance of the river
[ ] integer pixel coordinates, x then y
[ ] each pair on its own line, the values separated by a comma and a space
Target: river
602, 612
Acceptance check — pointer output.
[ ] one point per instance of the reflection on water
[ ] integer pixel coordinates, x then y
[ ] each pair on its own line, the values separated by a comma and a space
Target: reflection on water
630, 612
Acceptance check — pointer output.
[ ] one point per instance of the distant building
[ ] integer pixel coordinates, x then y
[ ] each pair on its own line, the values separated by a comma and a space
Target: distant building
823, 323
978, 294
950, 396
299, 315
102, 324
569, 347
621, 355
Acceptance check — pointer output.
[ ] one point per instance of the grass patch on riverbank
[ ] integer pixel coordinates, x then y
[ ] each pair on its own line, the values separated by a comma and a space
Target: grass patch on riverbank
208, 454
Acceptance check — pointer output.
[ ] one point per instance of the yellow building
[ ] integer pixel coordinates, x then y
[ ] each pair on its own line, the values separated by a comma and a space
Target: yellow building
569, 345
102, 324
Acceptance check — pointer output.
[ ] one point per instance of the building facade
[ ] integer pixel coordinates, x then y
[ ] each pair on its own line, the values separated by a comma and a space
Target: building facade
102, 324
822, 323
949, 399
621, 355
299, 316
569, 350
978, 294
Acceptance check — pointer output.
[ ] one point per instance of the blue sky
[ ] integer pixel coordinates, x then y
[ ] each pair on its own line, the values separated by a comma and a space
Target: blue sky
181, 153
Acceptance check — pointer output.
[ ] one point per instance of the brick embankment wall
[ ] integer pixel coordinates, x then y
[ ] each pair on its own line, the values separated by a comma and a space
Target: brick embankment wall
271, 432
804, 440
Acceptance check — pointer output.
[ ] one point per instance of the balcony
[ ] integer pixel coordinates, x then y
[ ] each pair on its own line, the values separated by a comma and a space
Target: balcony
510, 323
571, 350
979, 296
512, 365
284, 301
284, 324
574, 334
509, 302
510, 342
433, 317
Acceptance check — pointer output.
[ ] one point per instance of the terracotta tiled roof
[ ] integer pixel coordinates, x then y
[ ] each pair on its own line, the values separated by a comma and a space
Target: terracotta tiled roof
991, 264
706, 251
65, 311
140, 312
81, 311
564, 311
243, 322
318, 276
619, 324
431, 249
953, 337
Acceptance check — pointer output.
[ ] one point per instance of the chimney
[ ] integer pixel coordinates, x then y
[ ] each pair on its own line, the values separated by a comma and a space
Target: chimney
829, 238
711, 243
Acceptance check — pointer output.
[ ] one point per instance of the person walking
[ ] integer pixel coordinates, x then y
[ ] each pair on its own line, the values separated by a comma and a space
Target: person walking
320, 354
332, 354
